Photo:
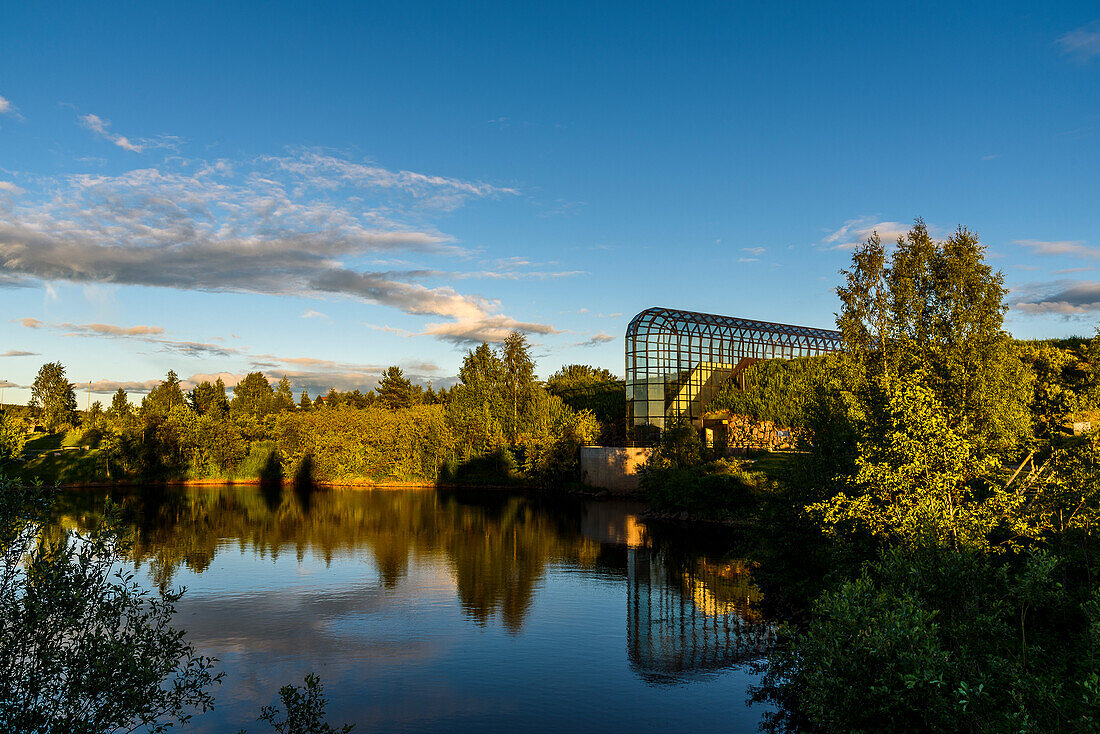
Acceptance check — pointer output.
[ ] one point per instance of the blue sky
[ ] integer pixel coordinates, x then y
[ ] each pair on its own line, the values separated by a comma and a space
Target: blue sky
323, 190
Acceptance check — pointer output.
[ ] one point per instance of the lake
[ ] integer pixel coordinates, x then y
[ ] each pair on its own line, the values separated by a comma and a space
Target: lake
428, 610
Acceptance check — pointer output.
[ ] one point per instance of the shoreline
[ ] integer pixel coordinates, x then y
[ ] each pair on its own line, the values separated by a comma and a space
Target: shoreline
363, 484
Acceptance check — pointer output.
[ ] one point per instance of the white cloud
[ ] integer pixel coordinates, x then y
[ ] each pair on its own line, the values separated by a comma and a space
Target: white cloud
7, 108
10, 188
754, 250
17, 353
1074, 248
328, 172
748, 259
493, 329
234, 227
309, 313
101, 127
1082, 44
855, 232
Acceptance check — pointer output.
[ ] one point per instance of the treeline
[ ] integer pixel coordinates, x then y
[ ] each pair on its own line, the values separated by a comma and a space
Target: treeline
497, 424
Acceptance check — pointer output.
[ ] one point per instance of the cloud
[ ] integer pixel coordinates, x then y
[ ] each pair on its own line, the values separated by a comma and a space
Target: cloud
5, 383
10, 188
17, 353
748, 259
7, 108
106, 387
147, 334
99, 126
1082, 44
309, 313
328, 172
754, 250
1065, 298
390, 329
233, 227
855, 232
596, 340
492, 329
1074, 248
109, 330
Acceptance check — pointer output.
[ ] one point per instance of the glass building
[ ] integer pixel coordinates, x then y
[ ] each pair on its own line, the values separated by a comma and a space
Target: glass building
677, 360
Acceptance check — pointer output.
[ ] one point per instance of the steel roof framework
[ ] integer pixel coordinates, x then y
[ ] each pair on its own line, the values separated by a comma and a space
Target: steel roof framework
676, 360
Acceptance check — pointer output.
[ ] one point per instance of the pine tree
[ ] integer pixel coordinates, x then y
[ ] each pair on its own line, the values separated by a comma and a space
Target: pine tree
394, 390
305, 403
284, 398
120, 406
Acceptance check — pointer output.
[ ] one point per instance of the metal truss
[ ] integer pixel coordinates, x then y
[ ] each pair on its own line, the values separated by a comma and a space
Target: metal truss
677, 360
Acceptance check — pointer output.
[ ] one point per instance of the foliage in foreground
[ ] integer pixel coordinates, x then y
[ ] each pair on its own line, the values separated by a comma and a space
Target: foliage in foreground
83, 647
943, 641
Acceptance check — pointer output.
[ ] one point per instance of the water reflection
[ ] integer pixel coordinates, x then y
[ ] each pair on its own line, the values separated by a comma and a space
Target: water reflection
690, 613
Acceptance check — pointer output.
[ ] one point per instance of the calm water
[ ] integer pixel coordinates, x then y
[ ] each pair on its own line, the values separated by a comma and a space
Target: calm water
435, 611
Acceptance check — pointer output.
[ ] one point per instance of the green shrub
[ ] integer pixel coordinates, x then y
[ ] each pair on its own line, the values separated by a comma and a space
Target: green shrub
934, 640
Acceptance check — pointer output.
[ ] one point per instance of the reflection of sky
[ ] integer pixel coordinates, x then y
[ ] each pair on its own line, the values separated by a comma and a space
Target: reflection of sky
409, 658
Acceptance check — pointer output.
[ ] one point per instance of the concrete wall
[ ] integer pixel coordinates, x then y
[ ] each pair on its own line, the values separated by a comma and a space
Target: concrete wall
612, 467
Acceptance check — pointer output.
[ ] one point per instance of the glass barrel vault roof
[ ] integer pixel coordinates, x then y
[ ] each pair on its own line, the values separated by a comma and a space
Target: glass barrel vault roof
676, 360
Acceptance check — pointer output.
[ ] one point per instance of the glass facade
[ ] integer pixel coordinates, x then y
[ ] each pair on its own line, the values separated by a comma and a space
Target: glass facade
677, 360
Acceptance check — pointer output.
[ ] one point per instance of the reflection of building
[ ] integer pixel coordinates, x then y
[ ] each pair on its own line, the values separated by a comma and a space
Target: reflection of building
611, 522
677, 360
689, 622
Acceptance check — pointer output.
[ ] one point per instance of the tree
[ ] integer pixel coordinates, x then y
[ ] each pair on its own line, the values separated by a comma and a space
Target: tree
926, 482
208, 398
394, 390
253, 395
477, 409
164, 397
52, 398
284, 398
95, 415
13, 437
305, 403
938, 394
935, 307
574, 376
120, 406
332, 399
519, 377
83, 647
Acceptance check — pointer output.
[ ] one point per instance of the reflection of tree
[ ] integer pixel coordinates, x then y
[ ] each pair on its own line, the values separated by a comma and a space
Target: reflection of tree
685, 612
498, 550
